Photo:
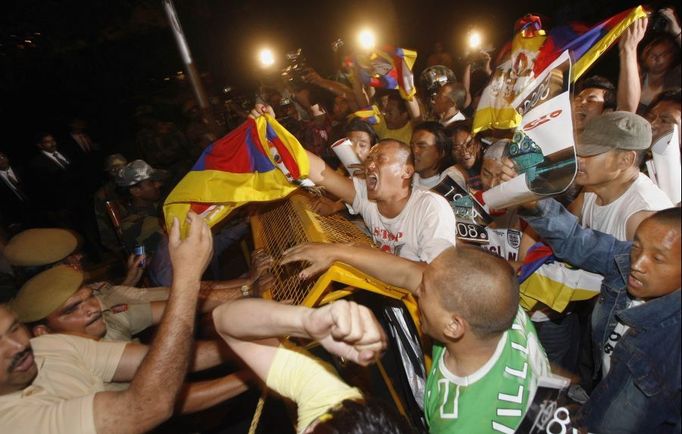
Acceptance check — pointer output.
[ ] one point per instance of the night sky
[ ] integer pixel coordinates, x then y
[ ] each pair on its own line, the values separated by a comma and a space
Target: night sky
100, 59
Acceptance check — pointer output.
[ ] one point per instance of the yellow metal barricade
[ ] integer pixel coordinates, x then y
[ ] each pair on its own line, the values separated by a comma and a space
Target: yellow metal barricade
283, 224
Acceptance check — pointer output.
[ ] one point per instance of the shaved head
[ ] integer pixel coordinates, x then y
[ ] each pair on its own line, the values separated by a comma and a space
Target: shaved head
671, 217
403, 149
477, 285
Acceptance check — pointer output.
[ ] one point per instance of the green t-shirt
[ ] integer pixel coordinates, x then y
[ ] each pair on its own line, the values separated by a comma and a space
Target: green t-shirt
494, 398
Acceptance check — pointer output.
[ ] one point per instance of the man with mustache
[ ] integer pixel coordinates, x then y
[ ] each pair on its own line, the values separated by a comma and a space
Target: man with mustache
127, 310
62, 390
636, 320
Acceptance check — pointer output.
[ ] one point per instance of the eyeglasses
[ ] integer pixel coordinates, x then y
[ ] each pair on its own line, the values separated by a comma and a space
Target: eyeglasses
469, 146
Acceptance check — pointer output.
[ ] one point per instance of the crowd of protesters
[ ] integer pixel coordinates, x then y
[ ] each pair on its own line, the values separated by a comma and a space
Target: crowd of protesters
79, 290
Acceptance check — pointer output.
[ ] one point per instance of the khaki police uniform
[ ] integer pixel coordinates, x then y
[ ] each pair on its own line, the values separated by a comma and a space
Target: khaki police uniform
71, 370
127, 310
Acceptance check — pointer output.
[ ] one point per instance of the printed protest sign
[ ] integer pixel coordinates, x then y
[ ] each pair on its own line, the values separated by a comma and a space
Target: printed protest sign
542, 147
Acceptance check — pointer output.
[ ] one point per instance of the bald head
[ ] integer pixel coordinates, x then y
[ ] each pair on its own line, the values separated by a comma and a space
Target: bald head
479, 286
402, 149
671, 217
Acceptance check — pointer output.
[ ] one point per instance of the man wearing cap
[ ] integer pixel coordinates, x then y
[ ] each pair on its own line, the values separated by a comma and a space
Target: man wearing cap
127, 310
35, 250
63, 386
140, 185
108, 193
617, 197
57, 301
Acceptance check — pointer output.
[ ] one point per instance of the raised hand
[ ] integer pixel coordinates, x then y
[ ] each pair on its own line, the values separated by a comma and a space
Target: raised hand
190, 256
260, 109
348, 330
633, 35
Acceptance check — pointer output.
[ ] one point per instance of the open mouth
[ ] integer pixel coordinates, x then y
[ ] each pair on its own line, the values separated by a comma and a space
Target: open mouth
372, 181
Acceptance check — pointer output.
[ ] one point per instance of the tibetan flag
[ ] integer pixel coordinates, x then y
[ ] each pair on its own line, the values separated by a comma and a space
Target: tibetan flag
532, 50
389, 68
553, 283
371, 115
514, 72
258, 161
585, 44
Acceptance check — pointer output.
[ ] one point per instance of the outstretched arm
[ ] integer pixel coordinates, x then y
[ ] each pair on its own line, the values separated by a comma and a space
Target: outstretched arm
629, 86
388, 268
320, 173
152, 393
332, 86
200, 395
585, 248
343, 328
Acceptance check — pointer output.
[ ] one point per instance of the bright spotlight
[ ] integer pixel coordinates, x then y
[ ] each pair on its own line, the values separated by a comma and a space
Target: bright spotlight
367, 39
266, 57
474, 40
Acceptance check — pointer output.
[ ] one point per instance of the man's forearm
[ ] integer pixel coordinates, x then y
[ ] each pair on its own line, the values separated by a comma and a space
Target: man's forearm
388, 268
200, 395
326, 177
162, 370
590, 250
235, 319
629, 86
215, 293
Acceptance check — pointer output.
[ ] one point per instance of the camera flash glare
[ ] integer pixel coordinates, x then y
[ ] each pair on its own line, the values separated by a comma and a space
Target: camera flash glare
266, 57
367, 39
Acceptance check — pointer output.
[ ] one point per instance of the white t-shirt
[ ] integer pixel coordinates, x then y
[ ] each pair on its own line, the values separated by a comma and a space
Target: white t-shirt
422, 230
617, 333
504, 235
457, 117
643, 195
429, 183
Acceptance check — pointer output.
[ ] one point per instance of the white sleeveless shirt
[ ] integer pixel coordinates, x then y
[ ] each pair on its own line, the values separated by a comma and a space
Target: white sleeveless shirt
643, 195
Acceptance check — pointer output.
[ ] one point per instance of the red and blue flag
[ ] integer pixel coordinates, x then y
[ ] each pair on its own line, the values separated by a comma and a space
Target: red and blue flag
258, 161
585, 44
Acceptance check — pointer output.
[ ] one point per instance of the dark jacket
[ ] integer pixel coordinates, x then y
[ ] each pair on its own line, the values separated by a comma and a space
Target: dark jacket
641, 393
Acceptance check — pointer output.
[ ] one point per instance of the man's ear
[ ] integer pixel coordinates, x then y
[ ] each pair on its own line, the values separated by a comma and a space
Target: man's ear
455, 328
408, 171
626, 159
40, 330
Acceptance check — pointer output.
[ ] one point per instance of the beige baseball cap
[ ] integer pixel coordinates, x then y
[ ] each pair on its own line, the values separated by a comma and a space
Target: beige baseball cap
614, 130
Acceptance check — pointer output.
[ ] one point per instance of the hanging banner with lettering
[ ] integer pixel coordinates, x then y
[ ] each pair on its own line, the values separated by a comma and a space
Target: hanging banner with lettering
542, 147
